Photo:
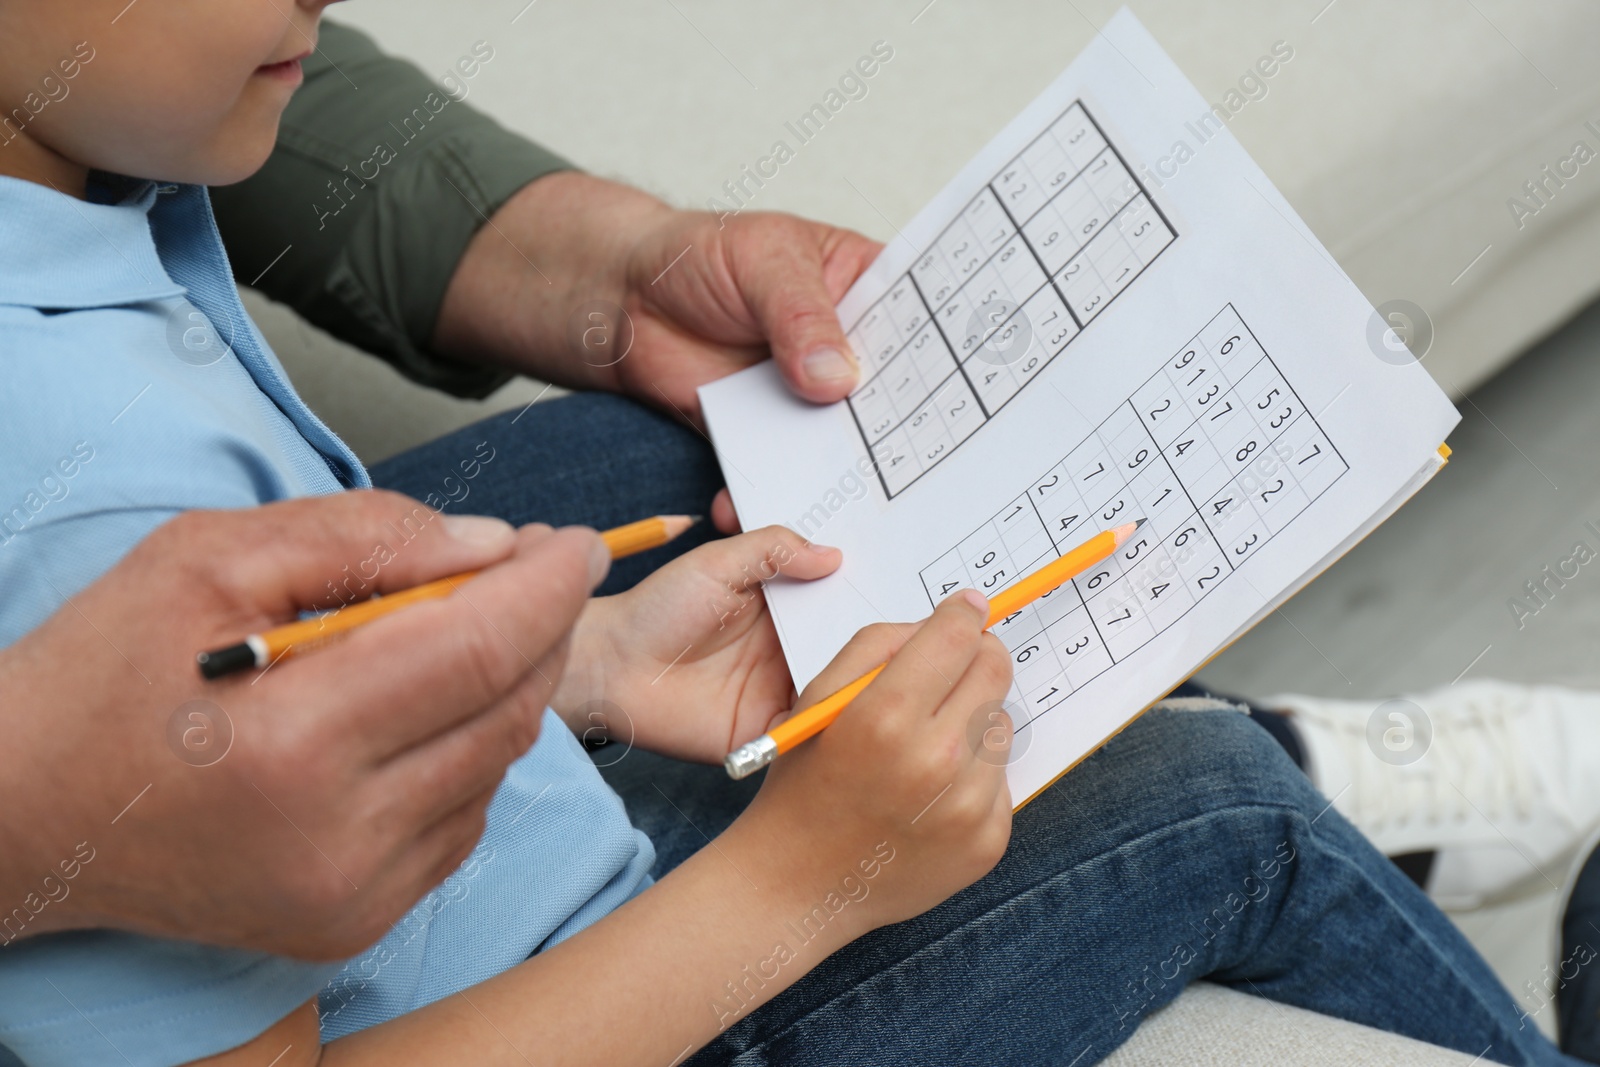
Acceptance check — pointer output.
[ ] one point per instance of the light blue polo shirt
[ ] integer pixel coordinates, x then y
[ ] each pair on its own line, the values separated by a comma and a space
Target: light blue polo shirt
136, 387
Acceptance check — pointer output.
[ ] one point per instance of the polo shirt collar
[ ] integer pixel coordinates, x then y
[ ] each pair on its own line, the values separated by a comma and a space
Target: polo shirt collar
59, 252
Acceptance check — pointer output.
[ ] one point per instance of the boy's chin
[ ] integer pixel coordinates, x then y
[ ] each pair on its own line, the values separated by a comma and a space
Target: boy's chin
228, 153
219, 165
232, 172
235, 162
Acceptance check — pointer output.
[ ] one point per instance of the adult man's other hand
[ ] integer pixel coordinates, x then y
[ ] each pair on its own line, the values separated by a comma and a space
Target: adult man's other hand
589, 283
305, 808
709, 295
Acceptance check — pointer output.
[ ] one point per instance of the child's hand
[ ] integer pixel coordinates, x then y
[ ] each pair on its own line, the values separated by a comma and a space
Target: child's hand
903, 794
687, 663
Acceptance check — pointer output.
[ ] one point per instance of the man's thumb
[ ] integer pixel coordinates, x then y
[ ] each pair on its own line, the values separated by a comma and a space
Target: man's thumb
790, 297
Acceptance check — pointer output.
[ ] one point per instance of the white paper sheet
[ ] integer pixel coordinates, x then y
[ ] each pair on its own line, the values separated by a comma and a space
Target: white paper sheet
1080, 329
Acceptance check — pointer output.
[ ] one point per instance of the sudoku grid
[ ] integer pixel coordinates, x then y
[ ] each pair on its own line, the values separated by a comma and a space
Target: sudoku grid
1215, 450
1049, 242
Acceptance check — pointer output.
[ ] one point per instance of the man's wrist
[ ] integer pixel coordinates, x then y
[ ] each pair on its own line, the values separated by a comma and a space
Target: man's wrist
518, 297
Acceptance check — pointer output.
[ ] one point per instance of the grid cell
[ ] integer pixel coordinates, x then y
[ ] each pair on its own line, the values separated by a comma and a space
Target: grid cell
1008, 284
1215, 483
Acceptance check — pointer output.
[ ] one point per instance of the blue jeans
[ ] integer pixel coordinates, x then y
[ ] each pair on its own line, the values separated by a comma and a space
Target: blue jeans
1189, 847
591, 459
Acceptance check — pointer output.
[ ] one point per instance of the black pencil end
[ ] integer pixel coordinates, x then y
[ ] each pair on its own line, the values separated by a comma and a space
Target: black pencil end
223, 661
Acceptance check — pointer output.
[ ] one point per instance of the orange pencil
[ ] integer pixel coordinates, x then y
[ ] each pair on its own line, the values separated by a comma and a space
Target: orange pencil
260, 650
747, 759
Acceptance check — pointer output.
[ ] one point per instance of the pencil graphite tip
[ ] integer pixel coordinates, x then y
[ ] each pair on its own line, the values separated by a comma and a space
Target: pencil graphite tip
1127, 530
677, 524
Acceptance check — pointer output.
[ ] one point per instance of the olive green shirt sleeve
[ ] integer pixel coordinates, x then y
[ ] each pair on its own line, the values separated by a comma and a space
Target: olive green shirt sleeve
380, 178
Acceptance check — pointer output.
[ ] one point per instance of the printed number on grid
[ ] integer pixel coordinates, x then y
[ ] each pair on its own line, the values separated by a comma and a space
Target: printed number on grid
1215, 451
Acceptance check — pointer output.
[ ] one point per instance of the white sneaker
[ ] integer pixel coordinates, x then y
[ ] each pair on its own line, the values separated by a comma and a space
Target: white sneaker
1501, 781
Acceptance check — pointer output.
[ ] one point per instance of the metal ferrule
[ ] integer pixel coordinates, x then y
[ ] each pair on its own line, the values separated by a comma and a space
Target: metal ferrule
746, 760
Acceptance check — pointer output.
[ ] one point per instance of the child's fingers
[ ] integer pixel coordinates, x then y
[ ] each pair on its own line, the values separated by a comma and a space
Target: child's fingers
1003, 807
973, 722
799, 558
872, 646
970, 740
922, 675
995, 834
752, 558
982, 687
723, 517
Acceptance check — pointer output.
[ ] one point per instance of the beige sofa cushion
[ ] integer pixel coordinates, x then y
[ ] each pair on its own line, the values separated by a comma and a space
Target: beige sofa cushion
1209, 1025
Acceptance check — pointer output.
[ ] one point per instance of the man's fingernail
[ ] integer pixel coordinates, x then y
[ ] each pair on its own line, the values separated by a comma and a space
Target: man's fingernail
821, 550
599, 562
829, 365
976, 599
479, 530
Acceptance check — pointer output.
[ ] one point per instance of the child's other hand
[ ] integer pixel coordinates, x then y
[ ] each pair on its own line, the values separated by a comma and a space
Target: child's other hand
687, 663
903, 773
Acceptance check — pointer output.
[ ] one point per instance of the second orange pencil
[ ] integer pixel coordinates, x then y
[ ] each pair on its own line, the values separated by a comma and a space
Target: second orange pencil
259, 650
749, 758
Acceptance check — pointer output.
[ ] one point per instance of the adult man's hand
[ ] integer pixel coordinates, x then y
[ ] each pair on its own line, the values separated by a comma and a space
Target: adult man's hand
709, 296
305, 808
541, 287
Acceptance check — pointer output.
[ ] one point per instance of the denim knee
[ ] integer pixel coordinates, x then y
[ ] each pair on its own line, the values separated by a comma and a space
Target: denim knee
1214, 746
1171, 764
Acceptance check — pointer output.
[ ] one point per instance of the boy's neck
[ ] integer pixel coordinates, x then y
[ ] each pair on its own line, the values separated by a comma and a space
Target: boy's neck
25, 158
